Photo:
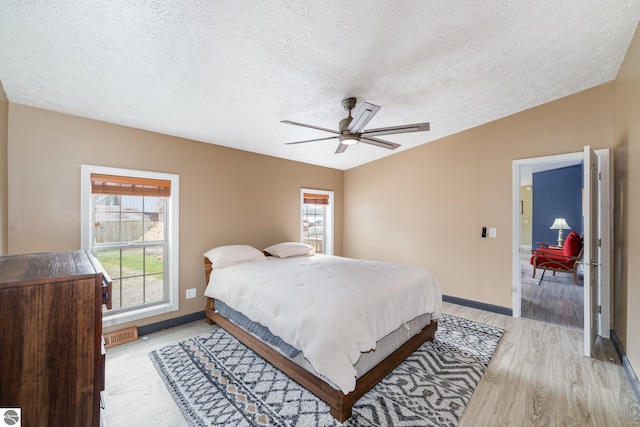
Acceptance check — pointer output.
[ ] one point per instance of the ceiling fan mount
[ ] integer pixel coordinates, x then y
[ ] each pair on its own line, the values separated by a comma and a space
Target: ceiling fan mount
351, 128
346, 136
349, 104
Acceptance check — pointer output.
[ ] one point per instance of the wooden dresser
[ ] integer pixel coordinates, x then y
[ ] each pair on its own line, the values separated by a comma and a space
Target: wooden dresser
51, 353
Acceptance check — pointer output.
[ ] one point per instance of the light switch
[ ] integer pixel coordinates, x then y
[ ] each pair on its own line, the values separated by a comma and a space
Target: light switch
493, 233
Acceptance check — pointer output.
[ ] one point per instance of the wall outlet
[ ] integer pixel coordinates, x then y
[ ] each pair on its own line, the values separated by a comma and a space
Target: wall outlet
191, 293
493, 233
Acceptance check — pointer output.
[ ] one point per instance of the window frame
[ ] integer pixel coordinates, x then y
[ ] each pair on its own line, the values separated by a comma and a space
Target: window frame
172, 239
329, 219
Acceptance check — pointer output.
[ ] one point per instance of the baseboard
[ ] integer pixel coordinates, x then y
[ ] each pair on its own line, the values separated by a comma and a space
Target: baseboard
479, 305
170, 323
631, 375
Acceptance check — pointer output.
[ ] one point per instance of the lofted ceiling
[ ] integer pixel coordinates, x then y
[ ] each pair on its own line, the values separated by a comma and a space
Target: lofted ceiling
227, 72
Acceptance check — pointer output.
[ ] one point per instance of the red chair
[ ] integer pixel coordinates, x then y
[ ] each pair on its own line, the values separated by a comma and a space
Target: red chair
562, 259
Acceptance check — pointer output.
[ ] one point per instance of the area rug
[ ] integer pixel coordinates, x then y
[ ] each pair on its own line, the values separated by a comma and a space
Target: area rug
218, 381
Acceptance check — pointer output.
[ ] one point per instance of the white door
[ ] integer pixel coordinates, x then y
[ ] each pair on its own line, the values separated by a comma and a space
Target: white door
604, 239
590, 258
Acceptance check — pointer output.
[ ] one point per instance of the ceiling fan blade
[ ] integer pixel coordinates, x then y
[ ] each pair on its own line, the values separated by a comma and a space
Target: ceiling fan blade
416, 127
310, 140
379, 142
362, 116
341, 148
289, 122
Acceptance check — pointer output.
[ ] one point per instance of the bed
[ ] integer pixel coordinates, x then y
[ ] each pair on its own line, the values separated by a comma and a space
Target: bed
343, 325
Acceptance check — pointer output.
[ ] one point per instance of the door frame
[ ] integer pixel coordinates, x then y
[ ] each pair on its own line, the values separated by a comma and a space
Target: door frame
605, 230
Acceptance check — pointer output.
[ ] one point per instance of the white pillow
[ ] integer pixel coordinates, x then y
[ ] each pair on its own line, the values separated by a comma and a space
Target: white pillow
289, 249
223, 256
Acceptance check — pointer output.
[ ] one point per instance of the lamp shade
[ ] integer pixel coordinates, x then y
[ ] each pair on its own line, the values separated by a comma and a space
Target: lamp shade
560, 224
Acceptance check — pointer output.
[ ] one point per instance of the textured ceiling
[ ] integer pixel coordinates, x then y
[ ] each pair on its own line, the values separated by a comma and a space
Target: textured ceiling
227, 72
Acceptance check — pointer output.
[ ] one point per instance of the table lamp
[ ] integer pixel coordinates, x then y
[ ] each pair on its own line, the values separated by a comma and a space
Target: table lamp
560, 224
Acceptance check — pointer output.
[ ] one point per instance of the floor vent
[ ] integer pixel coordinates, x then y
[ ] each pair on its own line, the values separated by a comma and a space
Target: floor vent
120, 337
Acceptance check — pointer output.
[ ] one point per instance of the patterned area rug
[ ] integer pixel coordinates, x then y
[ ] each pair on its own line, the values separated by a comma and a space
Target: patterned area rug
217, 381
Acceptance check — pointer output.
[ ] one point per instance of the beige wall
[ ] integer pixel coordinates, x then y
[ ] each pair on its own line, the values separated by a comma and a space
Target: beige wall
4, 135
627, 198
227, 196
417, 206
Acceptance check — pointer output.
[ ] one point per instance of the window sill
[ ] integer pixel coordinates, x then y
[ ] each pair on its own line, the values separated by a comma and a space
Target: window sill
129, 316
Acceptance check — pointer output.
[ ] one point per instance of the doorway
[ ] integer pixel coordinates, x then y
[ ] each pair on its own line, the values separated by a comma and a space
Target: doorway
550, 190
598, 234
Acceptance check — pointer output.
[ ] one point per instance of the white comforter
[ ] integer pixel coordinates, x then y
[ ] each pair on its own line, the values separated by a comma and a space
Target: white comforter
331, 308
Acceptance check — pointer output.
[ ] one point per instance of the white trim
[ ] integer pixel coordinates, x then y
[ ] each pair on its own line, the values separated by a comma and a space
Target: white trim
330, 216
172, 231
141, 313
590, 255
517, 231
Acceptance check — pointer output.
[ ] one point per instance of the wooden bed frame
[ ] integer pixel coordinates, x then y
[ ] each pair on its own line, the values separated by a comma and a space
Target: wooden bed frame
340, 404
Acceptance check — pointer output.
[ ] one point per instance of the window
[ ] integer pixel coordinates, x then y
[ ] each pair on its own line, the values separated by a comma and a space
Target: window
316, 219
129, 222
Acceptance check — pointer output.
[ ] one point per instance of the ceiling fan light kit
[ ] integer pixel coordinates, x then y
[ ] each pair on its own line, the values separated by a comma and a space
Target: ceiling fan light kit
351, 129
349, 139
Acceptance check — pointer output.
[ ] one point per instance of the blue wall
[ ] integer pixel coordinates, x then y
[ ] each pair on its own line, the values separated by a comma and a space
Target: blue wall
556, 193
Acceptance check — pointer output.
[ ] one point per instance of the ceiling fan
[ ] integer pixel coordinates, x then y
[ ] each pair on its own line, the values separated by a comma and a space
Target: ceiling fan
351, 129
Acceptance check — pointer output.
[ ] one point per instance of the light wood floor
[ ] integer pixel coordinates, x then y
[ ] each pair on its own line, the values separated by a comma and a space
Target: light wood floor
537, 377
556, 299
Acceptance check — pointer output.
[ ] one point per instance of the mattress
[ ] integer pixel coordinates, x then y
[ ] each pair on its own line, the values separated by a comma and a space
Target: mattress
367, 361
